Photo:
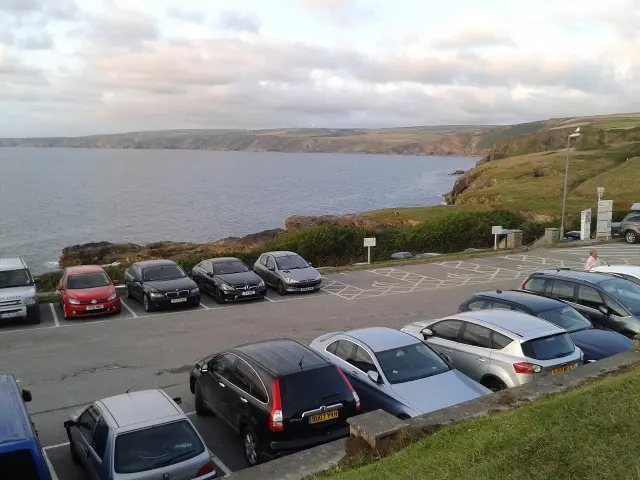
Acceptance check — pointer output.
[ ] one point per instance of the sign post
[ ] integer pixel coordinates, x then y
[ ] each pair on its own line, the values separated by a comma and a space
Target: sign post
600, 193
605, 213
496, 230
369, 242
585, 224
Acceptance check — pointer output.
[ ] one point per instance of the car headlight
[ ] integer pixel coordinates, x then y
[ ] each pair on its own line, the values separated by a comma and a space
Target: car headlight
112, 297
289, 280
30, 300
318, 277
156, 295
261, 283
73, 301
226, 287
195, 290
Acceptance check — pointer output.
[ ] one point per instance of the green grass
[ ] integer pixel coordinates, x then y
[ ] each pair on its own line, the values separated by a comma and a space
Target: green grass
590, 433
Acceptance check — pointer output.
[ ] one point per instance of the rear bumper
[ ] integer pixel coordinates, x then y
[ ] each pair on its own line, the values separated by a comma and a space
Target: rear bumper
81, 311
279, 448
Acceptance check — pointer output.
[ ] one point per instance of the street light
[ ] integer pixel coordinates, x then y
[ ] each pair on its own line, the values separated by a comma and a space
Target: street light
575, 134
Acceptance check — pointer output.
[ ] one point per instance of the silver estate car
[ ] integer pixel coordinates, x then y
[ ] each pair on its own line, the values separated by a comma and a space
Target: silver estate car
500, 348
287, 272
140, 435
393, 371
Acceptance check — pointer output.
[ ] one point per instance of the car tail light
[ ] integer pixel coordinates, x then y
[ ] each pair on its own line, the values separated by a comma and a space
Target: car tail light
208, 467
523, 283
356, 397
526, 368
276, 419
459, 310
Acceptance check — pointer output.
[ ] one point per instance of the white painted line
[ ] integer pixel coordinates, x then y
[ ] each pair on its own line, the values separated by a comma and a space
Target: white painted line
55, 315
203, 306
219, 463
54, 475
58, 445
270, 299
129, 309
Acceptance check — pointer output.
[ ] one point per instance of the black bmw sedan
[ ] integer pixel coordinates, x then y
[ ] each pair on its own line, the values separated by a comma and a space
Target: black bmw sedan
228, 279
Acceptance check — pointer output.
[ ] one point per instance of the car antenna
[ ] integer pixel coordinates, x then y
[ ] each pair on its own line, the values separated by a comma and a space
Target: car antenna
129, 389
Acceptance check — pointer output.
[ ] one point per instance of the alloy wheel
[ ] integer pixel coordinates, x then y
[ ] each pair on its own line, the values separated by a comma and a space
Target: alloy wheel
250, 448
631, 237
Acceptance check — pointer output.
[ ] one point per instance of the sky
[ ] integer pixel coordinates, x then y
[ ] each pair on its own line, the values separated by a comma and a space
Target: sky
81, 67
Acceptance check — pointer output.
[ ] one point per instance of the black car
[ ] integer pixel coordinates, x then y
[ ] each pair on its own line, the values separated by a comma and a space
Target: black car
160, 283
279, 395
596, 344
608, 300
228, 279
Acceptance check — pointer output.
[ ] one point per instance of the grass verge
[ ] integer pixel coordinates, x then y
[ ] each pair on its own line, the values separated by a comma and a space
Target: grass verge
585, 433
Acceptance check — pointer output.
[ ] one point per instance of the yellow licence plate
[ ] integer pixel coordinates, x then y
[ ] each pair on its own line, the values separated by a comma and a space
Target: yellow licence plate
323, 417
566, 368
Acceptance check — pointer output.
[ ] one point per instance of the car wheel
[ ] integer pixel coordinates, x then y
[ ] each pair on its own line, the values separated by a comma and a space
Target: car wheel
494, 384
65, 315
127, 291
147, 304
34, 319
251, 446
74, 454
218, 295
630, 236
201, 408
281, 289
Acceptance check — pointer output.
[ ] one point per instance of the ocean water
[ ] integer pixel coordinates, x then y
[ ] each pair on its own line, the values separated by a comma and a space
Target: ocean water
52, 198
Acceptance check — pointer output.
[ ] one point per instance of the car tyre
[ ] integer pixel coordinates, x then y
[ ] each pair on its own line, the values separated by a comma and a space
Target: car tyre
281, 289
218, 296
630, 236
128, 291
34, 319
64, 312
74, 454
251, 446
147, 304
494, 384
201, 408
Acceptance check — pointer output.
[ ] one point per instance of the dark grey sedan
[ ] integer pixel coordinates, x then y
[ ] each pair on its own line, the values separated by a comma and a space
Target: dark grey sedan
287, 272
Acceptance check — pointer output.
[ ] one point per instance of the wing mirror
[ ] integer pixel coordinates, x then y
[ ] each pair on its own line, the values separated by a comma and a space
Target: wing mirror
26, 396
59, 287
604, 310
178, 400
204, 368
374, 376
116, 282
69, 424
427, 332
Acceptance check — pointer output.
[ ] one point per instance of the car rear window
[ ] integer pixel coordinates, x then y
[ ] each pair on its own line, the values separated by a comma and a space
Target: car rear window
156, 447
302, 390
18, 465
547, 348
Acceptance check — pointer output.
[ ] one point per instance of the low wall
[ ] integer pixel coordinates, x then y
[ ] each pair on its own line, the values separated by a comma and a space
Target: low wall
380, 433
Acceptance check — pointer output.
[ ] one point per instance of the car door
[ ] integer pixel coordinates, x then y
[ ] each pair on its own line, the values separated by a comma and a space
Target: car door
245, 394
588, 302
215, 383
445, 337
271, 271
474, 350
203, 275
260, 266
136, 282
82, 435
98, 448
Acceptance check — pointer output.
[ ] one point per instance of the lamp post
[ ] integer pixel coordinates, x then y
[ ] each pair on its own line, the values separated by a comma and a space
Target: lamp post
575, 134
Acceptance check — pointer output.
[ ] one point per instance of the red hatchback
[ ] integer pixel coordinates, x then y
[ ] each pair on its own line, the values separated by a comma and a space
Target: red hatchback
87, 291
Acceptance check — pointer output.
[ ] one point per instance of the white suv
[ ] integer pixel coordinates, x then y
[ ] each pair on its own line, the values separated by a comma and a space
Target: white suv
18, 299
500, 348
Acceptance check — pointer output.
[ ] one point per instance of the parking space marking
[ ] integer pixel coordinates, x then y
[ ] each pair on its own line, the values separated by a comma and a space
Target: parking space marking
269, 299
55, 315
129, 309
52, 471
203, 306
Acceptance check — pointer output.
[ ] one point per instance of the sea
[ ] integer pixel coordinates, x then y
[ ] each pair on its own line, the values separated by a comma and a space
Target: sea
51, 198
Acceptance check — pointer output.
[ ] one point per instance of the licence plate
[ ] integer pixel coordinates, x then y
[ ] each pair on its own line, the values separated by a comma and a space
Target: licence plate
94, 307
249, 293
10, 314
178, 300
306, 289
323, 417
566, 368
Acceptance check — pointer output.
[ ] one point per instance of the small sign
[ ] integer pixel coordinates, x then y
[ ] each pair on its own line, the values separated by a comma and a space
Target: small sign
496, 230
370, 242
605, 206
600, 192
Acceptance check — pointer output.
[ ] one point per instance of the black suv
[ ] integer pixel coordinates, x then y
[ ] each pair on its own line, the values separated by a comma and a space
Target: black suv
279, 395
608, 300
596, 344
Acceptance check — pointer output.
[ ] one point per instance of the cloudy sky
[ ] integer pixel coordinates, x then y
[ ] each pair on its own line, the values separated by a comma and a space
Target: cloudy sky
76, 67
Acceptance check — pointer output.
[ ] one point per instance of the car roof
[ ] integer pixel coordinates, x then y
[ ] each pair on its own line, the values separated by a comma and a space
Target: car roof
519, 323
587, 276
282, 253
629, 269
224, 259
155, 263
380, 339
14, 422
12, 264
140, 407
527, 299
84, 269
282, 356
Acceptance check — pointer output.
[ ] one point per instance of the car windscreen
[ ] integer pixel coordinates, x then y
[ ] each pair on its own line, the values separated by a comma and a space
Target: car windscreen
567, 318
627, 293
291, 262
411, 362
15, 278
227, 268
87, 280
548, 348
162, 272
303, 390
18, 465
156, 447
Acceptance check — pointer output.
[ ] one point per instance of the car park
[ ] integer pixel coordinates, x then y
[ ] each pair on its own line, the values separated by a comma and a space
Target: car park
18, 296
393, 371
595, 344
21, 455
160, 283
500, 348
607, 301
142, 435
87, 291
280, 396
287, 272
228, 279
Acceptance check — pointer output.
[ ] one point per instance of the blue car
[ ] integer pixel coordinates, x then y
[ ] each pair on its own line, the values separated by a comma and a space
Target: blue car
595, 343
21, 456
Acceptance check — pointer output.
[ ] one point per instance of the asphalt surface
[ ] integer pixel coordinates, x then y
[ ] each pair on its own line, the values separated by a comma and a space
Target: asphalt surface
69, 364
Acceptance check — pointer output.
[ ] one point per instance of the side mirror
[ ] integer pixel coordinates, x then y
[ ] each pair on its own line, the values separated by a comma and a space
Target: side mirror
69, 424
204, 368
26, 396
310, 264
373, 376
59, 287
604, 310
427, 332
178, 400
115, 282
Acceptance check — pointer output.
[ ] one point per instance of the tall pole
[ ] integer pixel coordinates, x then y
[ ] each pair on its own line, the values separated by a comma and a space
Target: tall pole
564, 192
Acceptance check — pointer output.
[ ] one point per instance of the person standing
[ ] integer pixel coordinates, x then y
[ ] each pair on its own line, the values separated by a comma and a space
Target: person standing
592, 261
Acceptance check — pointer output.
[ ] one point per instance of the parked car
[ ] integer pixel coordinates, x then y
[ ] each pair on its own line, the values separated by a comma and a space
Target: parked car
141, 435
21, 455
394, 372
279, 395
160, 283
500, 348
630, 227
287, 272
87, 291
608, 301
228, 279
18, 298
595, 344
630, 272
